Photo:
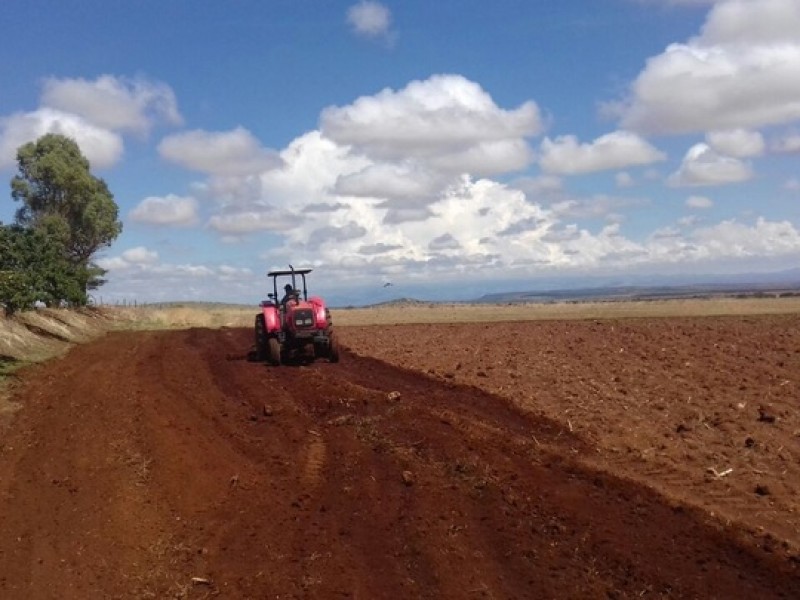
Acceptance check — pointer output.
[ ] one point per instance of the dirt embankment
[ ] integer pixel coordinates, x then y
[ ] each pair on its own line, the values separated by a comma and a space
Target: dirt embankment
162, 464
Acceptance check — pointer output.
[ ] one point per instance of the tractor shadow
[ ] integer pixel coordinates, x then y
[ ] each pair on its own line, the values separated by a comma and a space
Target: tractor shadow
294, 361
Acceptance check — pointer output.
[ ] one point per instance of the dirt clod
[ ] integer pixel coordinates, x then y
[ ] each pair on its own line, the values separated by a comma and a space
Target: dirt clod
408, 478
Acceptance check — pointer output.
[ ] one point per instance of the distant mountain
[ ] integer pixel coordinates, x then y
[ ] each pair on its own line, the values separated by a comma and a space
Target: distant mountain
781, 283
620, 286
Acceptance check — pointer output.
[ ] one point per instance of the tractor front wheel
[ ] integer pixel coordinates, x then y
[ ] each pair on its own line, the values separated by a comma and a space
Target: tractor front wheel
274, 351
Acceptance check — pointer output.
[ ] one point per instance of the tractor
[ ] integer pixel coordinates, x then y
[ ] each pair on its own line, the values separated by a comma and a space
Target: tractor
296, 327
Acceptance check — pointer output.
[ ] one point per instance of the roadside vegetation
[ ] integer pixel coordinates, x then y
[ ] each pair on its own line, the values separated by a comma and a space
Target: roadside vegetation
65, 216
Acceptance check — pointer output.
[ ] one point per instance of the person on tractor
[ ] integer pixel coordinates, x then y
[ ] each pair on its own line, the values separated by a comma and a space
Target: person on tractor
289, 294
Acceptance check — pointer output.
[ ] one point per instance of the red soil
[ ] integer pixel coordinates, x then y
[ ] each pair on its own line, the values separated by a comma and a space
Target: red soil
535, 460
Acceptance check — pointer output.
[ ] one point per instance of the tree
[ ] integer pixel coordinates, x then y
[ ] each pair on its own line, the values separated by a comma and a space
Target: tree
62, 200
33, 267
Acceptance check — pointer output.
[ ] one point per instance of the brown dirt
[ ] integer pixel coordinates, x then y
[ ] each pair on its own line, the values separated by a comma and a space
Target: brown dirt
144, 460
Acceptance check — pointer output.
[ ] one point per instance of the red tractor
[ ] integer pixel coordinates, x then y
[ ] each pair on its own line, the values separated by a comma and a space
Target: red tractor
295, 327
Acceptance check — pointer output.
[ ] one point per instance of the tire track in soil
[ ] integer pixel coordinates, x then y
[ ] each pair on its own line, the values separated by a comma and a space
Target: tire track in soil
353, 480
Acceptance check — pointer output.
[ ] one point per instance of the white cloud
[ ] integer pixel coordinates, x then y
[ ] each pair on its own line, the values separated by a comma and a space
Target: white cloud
168, 210
138, 273
391, 187
599, 206
114, 103
92, 113
688, 221
764, 238
792, 185
103, 148
752, 22
703, 166
370, 19
390, 181
624, 179
788, 144
699, 202
726, 243
446, 119
140, 256
249, 221
447, 125
742, 71
234, 152
541, 184
611, 151
285, 197
738, 143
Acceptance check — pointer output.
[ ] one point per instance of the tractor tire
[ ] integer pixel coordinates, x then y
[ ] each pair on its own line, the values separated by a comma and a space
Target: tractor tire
274, 351
261, 338
333, 349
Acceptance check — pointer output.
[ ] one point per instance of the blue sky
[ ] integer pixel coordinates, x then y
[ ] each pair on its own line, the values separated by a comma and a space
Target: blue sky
446, 147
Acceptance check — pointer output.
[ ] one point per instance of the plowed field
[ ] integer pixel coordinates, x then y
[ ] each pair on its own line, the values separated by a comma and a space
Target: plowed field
517, 460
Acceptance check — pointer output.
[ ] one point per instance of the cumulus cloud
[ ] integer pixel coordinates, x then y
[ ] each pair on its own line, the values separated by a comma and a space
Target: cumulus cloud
764, 238
386, 180
298, 191
103, 148
114, 103
386, 189
381, 162
171, 210
566, 156
752, 21
139, 273
446, 119
624, 179
138, 257
704, 166
738, 143
599, 206
370, 19
788, 144
699, 202
742, 71
250, 221
93, 113
234, 152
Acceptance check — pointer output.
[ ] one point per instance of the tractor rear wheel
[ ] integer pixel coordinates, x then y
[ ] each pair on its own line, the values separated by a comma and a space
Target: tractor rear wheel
274, 351
261, 338
333, 349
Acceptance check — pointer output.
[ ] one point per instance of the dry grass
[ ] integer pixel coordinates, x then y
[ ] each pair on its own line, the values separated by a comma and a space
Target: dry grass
215, 316
464, 313
183, 317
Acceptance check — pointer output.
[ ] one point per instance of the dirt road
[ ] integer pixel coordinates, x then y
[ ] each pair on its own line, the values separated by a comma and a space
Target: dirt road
164, 464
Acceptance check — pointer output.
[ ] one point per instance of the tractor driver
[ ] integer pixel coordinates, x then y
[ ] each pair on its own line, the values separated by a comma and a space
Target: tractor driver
289, 294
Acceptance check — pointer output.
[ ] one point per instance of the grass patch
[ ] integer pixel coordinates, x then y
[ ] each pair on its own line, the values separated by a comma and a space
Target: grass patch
471, 313
183, 316
8, 365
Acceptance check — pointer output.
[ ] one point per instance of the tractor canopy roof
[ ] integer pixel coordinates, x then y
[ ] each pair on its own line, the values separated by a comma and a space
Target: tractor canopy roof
292, 272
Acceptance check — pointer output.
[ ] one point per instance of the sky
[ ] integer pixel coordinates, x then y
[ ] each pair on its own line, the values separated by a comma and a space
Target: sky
450, 148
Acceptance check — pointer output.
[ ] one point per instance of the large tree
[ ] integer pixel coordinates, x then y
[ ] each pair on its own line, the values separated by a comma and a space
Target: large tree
33, 267
63, 202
